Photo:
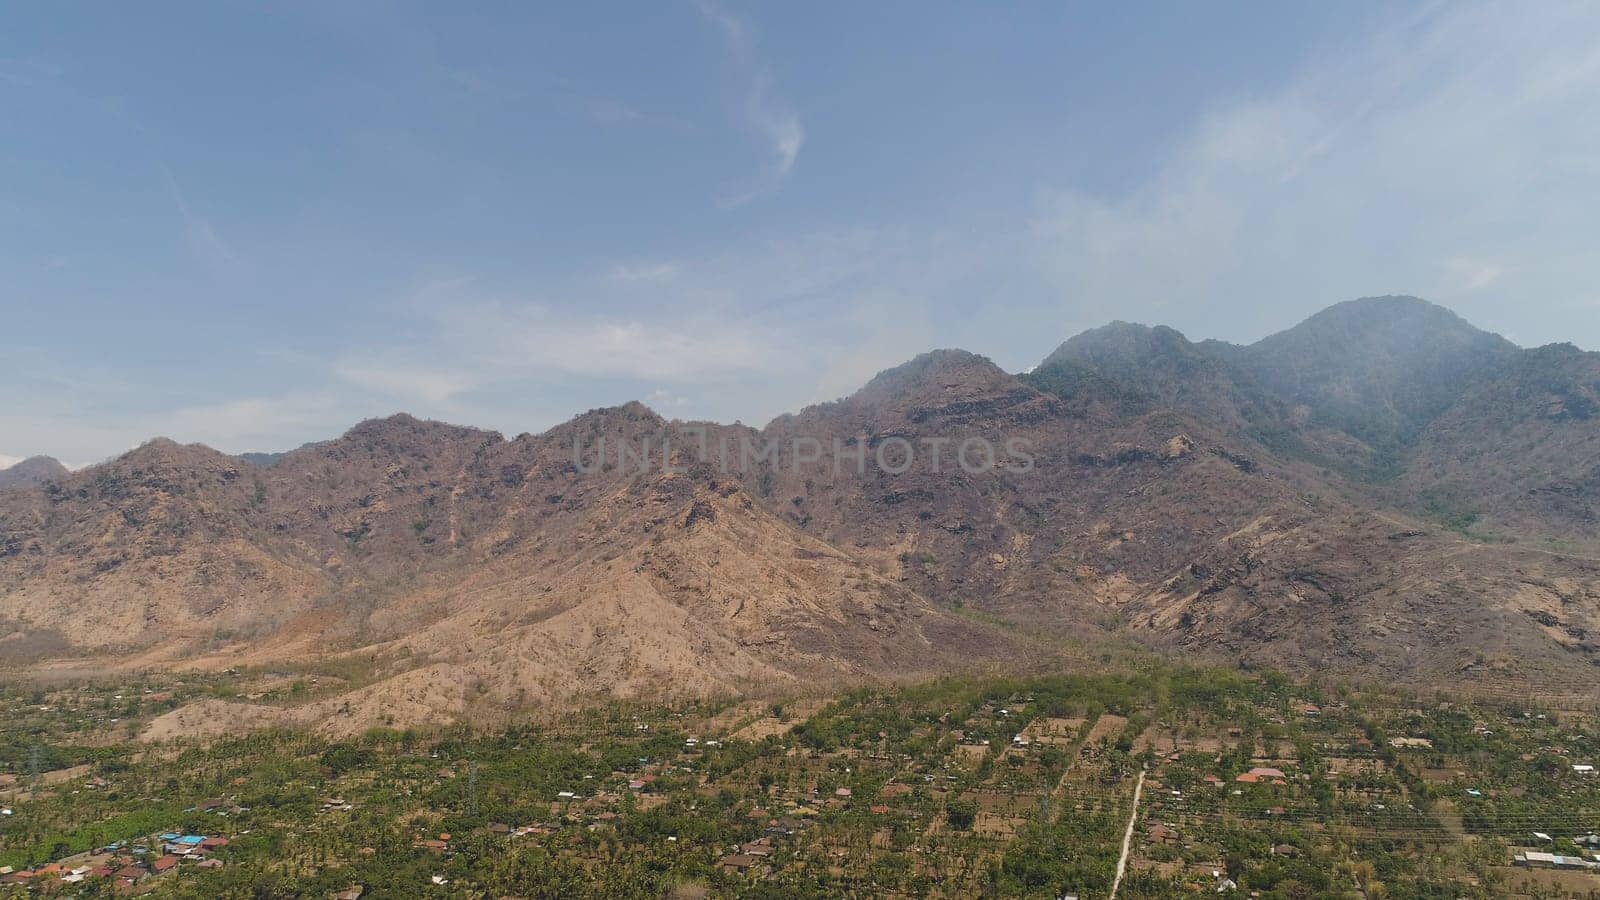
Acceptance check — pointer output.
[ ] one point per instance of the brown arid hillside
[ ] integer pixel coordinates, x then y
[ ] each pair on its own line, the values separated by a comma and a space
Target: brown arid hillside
1199, 499
477, 575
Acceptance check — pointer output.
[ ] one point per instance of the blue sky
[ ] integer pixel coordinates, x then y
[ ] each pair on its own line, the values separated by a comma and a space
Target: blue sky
252, 225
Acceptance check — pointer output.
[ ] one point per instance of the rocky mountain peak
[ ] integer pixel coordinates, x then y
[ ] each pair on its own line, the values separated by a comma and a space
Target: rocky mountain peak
32, 472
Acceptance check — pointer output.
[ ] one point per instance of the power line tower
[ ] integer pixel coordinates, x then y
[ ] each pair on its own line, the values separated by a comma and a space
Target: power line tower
33, 772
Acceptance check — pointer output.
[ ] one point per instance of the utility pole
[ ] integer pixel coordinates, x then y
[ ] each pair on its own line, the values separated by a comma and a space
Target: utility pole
33, 772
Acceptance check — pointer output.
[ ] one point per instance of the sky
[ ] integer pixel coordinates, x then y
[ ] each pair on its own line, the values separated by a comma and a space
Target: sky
253, 225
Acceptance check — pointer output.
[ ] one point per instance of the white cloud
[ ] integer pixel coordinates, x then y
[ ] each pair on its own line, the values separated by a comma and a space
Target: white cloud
765, 114
1415, 163
7, 462
654, 272
663, 399
507, 339
776, 122
204, 242
405, 379
1468, 274
254, 423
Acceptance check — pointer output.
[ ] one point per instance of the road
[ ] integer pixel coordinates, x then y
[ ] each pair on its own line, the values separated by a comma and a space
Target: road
1127, 836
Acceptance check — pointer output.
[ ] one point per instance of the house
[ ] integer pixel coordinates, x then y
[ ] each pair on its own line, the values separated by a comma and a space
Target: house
1161, 834
130, 875
1583, 769
499, 828
1536, 860
1262, 775
1411, 743
212, 843
164, 864
737, 862
353, 892
209, 864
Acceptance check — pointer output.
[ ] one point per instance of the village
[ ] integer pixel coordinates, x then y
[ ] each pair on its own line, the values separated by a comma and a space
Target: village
126, 864
1256, 786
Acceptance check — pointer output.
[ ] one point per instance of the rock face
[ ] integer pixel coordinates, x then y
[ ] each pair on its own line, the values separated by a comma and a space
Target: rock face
32, 472
1320, 500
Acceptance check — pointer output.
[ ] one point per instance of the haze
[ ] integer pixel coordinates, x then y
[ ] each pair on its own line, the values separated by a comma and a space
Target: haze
252, 227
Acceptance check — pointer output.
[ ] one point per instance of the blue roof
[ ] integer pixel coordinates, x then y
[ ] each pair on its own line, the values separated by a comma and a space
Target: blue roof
190, 839
170, 836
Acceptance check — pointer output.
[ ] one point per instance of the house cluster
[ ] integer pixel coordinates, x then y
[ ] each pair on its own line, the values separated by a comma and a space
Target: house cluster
1537, 859
439, 845
1534, 859
124, 864
749, 855
754, 856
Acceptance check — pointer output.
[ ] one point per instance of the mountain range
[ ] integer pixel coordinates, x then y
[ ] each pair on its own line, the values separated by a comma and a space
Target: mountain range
1381, 491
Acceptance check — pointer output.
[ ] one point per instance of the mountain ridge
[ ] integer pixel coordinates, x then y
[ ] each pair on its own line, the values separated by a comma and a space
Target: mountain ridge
1173, 496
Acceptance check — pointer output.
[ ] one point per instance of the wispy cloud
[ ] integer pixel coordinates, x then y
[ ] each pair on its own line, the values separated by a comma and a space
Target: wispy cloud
764, 113
512, 339
1414, 162
206, 244
1469, 274
647, 272
252, 423
405, 380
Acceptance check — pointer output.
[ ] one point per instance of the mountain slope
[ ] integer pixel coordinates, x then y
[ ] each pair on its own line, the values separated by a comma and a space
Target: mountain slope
1137, 369
1379, 369
1519, 452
